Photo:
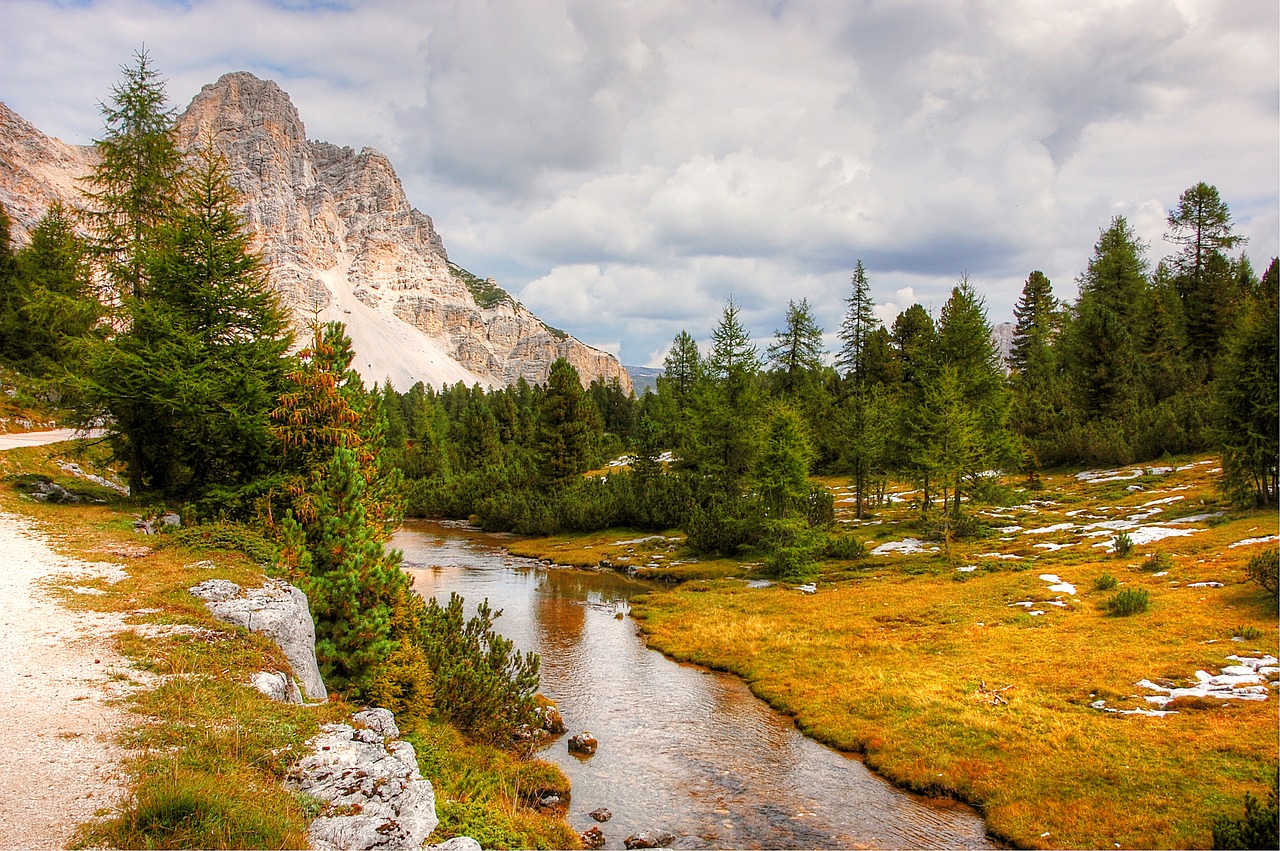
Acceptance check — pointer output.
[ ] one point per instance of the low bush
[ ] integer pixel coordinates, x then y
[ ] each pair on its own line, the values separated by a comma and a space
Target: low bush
1124, 544
1248, 633
1257, 829
1105, 582
1129, 601
1264, 568
1157, 562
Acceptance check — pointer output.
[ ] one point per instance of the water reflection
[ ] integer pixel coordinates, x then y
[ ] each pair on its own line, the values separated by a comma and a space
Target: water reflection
681, 748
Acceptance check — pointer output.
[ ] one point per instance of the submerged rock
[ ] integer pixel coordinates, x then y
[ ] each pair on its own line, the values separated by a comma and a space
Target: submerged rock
583, 744
592, 837
649, 839
601, 815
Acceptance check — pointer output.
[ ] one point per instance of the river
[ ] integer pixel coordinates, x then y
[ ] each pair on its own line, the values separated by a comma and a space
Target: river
682, 749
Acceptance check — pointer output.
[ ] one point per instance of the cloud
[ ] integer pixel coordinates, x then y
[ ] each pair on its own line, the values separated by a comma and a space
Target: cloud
625, 168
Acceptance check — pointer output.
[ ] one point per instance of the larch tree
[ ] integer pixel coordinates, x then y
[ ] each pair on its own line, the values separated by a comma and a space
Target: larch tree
1201, 224
795, 355
857, 358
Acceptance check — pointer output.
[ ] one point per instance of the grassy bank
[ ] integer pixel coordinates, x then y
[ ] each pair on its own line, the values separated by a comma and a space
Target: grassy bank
926, 664
209, 752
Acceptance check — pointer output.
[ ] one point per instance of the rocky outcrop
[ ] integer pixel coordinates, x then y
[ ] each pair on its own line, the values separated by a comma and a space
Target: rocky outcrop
277, 610
339, 239
369, 781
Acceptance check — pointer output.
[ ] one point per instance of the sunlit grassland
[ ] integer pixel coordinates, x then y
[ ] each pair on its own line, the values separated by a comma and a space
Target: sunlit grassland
208, 753
889, 659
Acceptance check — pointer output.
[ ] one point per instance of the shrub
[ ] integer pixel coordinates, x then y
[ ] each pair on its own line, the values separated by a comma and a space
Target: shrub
1124, 544
235, 537
1105, 582
1263, 568
792, 548
482, 684
1256, 830
1157, 562
1248, 633
843, 546
1130, 601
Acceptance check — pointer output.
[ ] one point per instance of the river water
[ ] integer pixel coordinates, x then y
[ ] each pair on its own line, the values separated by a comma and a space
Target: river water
682, 749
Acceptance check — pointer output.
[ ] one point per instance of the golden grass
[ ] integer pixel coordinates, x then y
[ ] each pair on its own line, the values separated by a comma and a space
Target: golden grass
889, 660
210, 751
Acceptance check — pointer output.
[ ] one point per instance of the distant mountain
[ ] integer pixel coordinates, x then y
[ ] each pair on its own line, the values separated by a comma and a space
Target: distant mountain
339, 238
644, 378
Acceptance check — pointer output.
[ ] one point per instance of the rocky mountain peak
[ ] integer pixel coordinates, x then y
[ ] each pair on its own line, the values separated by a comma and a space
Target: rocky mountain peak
340, 239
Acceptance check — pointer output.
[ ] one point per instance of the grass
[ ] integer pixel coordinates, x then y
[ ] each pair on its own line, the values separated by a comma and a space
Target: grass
208, 751
888, 657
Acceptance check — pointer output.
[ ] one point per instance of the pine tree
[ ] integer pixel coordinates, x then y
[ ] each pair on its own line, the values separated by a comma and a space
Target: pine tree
1034, 320
133, 185
857, 357
723, 442
782, 471
797, 350
351, 580
189, 385
1201, 224
53, 304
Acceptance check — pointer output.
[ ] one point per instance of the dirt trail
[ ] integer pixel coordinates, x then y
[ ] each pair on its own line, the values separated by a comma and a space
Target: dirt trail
60, 684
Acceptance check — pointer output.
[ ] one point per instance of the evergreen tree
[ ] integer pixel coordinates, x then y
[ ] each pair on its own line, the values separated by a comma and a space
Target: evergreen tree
952, 444
52, 305
569, 426
782, 471
1246, 391
724, 442
681, 368
1201, 224
856, 358
188, 387
1033, 333
351, 580
133, 185
796, 353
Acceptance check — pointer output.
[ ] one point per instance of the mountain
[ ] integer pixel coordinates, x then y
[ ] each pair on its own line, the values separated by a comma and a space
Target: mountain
340, 241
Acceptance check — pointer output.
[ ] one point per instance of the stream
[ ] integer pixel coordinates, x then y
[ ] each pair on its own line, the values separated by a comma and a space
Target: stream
682, 749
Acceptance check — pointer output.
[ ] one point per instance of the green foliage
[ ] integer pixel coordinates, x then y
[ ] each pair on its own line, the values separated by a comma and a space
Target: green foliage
1128, 601
569, 426
792, 549
1248, 633
1158, 562
1105, 582
352, 582
797, 351
486, 293
1256, 829
1124, 544
233, 537
844, 547
1264, 569
782, 470
723, 524
483, 685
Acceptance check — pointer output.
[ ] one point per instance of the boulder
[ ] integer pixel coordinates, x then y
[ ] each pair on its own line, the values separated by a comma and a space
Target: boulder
601, 815
583, 744
278, 686
592, 837
649, 839
380, 721
375, 795
549, 715
458, 843
277, 610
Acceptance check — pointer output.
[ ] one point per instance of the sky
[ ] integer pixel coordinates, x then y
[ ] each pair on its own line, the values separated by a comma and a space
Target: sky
627, 168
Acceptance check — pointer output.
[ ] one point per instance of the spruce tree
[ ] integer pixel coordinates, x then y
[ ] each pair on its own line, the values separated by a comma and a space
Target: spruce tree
856, 331
1201, 224
724, 442
569, 426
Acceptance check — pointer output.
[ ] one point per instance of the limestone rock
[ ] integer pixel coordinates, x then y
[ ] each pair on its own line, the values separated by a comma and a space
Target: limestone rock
278, 686
339, 239
277, 610
381, 721
375, 794
458, 843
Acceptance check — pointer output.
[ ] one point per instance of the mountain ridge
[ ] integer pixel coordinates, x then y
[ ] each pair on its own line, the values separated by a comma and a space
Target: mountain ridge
339, 239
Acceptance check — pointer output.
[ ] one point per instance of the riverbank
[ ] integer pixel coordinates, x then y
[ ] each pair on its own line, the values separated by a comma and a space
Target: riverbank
990, 674
138, 724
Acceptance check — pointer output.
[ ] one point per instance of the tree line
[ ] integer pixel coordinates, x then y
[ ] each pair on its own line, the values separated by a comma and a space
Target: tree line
162, 326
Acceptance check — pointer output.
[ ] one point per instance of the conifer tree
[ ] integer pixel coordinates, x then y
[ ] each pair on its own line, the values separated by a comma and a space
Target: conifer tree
1201, 224
856, 358
189, 385
351, 580
726, 401
796, 353
569, 426
53, 305
133, 186
1246, 391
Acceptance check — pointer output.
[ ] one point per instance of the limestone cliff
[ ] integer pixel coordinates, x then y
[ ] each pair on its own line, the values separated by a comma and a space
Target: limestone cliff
340, 239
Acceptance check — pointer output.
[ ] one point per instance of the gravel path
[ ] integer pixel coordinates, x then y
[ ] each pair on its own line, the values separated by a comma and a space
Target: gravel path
60, 684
